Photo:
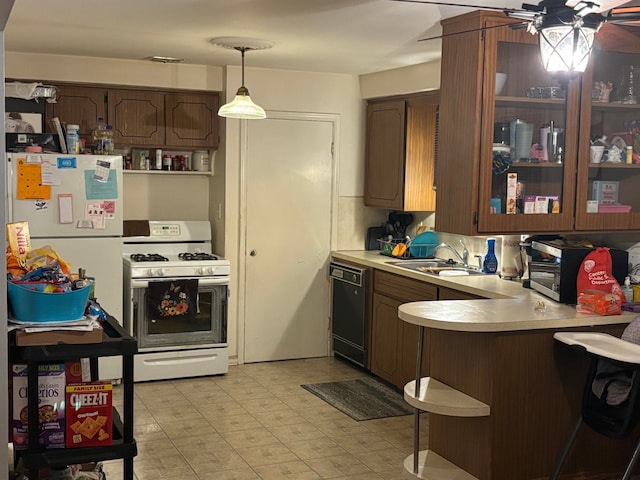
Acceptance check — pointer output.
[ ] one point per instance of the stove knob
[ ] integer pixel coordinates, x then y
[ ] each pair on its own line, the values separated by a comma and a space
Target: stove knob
160, 272
211, 270
150, 272
202, 270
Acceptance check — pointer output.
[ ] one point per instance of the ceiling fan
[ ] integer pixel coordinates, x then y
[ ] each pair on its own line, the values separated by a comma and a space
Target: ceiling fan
566, 29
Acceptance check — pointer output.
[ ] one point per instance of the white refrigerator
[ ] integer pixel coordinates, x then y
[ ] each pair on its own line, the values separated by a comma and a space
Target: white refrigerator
74, 203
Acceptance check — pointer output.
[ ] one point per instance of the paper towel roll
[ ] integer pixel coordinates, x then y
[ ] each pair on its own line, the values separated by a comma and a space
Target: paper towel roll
509, 255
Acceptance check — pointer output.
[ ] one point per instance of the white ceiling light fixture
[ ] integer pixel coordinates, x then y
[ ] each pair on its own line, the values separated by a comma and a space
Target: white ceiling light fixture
566, 36
242, 106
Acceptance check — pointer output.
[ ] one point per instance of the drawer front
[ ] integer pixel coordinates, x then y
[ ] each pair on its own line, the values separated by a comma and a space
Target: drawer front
403, 288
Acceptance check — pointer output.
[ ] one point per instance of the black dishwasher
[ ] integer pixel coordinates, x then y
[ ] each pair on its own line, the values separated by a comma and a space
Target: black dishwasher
349, 312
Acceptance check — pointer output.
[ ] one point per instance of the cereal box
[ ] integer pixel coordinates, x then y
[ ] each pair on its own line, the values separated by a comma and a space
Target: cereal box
89, 414
51, 396
512, 186
605, 192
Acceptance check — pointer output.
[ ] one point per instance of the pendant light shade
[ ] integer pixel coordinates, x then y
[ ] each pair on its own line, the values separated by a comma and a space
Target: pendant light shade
566, 41
242, 106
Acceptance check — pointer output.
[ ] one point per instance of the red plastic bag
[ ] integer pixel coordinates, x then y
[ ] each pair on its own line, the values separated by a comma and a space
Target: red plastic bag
598, 290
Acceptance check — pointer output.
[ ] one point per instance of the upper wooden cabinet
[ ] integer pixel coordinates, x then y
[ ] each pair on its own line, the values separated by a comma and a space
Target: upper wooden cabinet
551, 193
617, 118
400, 152
472, 180
191, 119
142, 117
79, 105
137, 117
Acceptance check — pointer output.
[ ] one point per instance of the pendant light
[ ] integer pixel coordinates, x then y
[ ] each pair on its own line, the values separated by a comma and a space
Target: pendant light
242, 106
566, 39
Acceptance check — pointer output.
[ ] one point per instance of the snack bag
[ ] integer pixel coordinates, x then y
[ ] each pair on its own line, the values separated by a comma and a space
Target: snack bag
598, 290
19, 240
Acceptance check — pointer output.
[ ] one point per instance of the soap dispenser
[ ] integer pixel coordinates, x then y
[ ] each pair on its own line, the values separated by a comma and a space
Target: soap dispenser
627, 289
490, 263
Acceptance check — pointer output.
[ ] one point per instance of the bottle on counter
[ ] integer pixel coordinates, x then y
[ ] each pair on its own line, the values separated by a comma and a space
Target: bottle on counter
627, 289
99, 137
490, 263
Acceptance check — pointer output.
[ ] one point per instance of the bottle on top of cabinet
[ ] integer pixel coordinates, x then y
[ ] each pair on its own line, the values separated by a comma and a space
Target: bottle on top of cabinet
73, 138
109, 145
99, 137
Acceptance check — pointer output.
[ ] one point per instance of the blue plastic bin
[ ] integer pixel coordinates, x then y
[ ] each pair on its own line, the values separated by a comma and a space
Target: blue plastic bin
32, 306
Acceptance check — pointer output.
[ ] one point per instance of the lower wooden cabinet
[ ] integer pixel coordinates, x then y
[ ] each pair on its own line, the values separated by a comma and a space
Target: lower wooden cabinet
394, 343
445, 293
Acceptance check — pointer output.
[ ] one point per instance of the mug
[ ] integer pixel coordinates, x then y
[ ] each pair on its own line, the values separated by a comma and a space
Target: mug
595, 153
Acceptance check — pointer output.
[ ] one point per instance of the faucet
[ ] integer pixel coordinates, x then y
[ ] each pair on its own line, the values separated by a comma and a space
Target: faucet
462, 258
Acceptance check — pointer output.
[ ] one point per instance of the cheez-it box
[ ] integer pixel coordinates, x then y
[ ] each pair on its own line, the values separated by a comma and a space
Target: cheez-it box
89, 414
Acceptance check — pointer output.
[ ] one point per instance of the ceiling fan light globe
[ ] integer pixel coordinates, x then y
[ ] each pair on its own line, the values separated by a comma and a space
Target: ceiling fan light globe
566, 48
242, 107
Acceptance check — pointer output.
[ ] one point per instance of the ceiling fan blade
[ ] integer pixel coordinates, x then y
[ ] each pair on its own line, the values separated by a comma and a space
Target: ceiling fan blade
464, 5
599, 6
623, 15
514, 25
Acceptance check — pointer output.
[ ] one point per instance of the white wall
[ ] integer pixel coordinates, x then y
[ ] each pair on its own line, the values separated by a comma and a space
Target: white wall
414, 78
216, 198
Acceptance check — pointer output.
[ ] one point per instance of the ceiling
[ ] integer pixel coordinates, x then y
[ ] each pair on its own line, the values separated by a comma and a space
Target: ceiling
338, 36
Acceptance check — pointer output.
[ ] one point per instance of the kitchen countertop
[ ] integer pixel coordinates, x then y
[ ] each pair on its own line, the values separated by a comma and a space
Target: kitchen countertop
508, 306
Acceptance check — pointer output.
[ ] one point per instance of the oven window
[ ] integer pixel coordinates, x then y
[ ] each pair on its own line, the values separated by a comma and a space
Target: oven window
206, 326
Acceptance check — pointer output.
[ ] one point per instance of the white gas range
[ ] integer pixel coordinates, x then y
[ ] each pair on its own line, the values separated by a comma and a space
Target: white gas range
175, 295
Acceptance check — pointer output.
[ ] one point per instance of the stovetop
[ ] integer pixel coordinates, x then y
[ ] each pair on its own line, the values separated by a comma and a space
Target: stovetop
181, 257
173, 249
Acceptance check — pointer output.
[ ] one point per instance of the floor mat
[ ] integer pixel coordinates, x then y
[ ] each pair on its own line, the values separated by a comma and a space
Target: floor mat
362, 399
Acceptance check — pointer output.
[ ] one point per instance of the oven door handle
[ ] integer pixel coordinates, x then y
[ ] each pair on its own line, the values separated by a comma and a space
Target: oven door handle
144, 283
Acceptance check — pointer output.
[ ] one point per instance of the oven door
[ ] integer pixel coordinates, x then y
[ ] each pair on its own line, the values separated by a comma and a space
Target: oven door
205, 328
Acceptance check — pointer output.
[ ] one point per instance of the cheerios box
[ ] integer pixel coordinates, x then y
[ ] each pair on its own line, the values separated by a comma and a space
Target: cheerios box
51, 411
89, 414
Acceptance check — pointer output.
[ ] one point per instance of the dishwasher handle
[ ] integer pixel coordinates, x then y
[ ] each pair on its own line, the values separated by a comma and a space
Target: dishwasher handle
347, 273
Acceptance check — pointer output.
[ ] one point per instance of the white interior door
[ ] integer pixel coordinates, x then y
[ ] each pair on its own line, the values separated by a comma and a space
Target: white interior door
289, 188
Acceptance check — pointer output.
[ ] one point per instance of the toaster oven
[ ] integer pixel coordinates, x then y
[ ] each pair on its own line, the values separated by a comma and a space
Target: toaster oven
554, 267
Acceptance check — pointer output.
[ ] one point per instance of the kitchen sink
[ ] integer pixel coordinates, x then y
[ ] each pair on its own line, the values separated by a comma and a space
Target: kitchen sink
434, 267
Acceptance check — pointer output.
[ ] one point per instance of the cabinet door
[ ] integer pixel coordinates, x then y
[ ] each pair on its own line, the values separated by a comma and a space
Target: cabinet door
385, 151
192, 120
530, 186
445, 293
385, 338
78, 105
137, 117
608, 196
501, 186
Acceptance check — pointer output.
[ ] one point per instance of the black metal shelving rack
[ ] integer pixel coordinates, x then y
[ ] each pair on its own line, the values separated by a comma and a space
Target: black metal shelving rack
116, 342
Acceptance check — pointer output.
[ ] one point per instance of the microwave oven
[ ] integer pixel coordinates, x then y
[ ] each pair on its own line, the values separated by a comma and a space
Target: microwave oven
554, 266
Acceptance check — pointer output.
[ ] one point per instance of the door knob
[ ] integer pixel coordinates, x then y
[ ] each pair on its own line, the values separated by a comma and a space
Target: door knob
253, 253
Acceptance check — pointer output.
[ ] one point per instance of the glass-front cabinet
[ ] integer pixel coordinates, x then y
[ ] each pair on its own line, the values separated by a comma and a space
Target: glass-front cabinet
508, 123
521, 151
608, 186
528, 138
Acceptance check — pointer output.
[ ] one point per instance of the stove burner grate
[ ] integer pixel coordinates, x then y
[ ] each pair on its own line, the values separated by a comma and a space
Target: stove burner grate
187, 256
148, 257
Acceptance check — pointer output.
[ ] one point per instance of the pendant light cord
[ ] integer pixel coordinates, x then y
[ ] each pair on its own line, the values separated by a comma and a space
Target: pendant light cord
242, 50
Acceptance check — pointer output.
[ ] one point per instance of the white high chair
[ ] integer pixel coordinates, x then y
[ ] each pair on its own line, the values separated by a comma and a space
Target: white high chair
615, 367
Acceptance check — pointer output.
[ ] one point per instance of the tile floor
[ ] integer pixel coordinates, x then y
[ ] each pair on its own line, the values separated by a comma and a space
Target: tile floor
257, 423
